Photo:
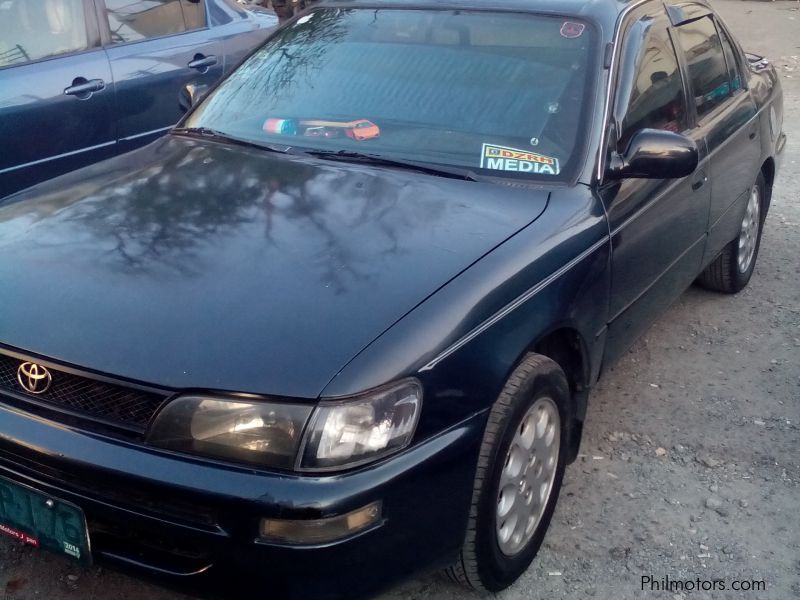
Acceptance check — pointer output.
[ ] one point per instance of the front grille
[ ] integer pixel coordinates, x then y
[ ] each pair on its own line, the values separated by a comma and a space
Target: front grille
83, 396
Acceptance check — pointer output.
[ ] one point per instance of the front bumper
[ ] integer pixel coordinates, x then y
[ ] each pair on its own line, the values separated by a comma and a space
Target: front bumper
197, 521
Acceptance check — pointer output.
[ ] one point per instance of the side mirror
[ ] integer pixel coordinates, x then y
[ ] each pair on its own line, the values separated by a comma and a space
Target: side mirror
655, 154
190, 95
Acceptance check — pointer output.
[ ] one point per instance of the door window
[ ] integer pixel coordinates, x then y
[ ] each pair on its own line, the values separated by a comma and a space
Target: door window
134, 20
32, 30
653, 97
705, 58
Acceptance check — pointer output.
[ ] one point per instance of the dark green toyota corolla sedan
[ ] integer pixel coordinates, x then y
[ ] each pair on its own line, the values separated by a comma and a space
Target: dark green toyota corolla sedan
341, 324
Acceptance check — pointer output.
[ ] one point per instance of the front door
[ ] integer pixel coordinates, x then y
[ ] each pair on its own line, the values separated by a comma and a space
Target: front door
156, 47
56, 91
658, 226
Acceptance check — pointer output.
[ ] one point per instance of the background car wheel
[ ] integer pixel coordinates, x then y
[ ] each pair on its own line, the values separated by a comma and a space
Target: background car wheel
731, 270
520, 470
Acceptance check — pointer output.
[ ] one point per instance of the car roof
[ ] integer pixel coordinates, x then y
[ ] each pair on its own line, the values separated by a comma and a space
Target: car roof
603, 12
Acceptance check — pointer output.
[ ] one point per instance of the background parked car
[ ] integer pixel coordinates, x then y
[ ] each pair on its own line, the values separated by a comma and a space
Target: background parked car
83, 80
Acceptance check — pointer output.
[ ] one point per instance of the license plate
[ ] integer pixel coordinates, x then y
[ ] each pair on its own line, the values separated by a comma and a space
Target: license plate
42, 521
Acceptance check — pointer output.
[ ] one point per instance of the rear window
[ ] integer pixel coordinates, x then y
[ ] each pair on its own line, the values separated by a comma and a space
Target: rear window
496, 92
707, 68
34, 29
730, 59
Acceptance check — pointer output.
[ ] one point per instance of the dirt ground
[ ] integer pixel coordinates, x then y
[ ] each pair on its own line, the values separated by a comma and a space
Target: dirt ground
689, 466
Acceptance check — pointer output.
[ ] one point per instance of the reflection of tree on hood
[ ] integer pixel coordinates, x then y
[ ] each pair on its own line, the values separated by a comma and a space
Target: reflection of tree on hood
164, 208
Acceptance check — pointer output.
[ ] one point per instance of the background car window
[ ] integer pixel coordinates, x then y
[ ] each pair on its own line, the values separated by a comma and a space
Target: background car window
134, 20
654, 98
730, 58
30, 30
194, 13
706, 60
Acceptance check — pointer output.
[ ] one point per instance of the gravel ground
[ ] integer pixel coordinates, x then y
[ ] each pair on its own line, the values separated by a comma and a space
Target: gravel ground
689, 466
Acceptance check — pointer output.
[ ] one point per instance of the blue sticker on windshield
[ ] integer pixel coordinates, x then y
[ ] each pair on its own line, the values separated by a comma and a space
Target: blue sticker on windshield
502, 158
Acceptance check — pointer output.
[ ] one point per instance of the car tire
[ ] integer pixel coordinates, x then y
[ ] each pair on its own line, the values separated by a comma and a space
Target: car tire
536, 398
730, 272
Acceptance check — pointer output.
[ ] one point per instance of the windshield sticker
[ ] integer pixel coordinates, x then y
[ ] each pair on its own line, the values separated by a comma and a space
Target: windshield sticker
502, 158
572, 30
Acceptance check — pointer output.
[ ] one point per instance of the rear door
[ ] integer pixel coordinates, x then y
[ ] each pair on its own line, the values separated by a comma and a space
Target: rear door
727, 117
56, 91
156, 47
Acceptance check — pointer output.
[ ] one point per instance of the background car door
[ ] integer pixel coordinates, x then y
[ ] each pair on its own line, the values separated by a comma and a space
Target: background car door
56, 91
658, 227
241, 28
156, 47
726, 114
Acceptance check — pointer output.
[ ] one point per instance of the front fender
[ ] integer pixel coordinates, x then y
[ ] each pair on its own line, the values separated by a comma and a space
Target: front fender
465, 340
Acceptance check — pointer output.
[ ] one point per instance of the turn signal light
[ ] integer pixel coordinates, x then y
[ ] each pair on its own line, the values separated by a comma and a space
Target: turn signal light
320, 531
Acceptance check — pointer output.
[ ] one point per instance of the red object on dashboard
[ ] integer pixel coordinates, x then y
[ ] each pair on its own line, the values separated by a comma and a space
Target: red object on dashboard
357, 130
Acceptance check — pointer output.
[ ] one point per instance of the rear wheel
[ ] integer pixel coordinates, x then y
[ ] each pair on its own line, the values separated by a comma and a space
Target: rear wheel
520, 470
732, 269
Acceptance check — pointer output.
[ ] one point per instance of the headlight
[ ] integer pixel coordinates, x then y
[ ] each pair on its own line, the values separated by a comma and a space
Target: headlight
357, 430
340, 433
265, 433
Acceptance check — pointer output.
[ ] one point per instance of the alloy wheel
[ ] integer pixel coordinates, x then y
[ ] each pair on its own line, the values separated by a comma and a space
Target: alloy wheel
748, 235
526, 481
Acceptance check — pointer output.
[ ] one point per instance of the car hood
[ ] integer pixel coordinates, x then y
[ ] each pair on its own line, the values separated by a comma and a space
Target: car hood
196, 264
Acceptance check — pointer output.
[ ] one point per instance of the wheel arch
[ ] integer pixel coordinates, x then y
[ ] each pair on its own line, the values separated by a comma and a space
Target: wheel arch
568, 348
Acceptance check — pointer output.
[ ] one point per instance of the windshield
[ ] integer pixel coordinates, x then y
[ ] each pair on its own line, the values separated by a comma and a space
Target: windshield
497, 93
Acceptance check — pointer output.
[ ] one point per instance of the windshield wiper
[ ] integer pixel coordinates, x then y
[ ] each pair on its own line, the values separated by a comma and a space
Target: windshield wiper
376, 159
226, 137
343, 155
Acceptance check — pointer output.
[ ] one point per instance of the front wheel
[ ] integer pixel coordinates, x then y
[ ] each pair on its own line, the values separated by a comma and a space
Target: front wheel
520, 470
731, 271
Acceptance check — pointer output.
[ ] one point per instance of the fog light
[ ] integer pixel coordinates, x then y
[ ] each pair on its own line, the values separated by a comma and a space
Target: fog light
319, 531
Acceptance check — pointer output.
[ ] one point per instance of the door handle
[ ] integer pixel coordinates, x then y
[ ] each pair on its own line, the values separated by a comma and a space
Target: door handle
699, 183
83, 88
202, 63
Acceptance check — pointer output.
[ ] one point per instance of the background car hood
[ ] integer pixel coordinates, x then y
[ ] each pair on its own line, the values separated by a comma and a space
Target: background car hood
194, 264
